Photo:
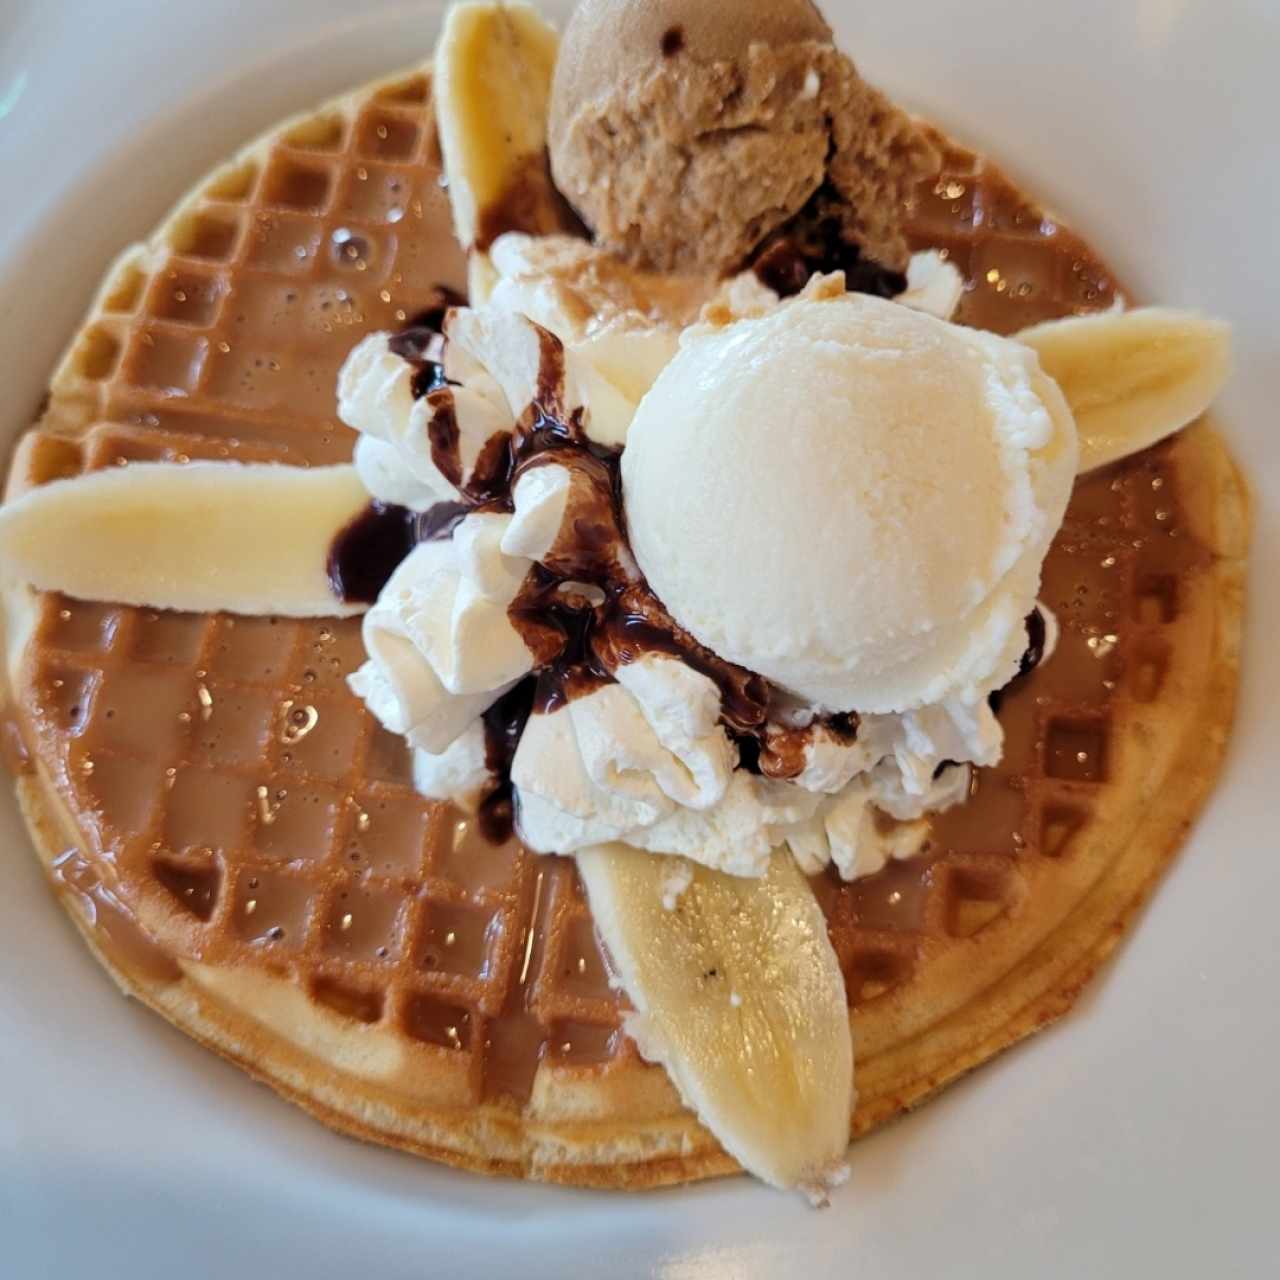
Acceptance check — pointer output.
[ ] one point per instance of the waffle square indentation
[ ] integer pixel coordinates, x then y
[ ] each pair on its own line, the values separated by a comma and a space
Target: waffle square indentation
96, 354
166, 360
296, 821
186, 297
283, 243
66, 695
272, 907
117, 792
1018, 269
209, 236
206, 810
262, 304
993, 826
1156, 599
80, 626
331, 653
320, 735
364, 924
348, 998
458, 939
240, 377
583, 972
873, 972
413, 89
390, 832
110, 445
125, 293
1149, 670
387, 136
364, 252
389, 758
463, 855
949, 204
438, 1022
892, 901
978, 895
232, 725
252, 650
317, 133
1075, 750
375, 193
141, 711
293, 184
168, 637
1059, 824
194, 883
233, 182
581, 1044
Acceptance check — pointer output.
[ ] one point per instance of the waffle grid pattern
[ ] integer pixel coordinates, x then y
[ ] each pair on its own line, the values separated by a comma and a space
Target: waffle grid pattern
1019, 264
224, 768
287, 832
234, 328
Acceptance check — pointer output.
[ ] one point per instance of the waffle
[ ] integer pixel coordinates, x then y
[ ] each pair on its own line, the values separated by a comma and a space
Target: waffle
241, 846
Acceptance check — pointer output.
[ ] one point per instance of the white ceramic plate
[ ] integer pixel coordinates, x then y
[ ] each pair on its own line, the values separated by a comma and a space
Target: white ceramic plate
1138, 1137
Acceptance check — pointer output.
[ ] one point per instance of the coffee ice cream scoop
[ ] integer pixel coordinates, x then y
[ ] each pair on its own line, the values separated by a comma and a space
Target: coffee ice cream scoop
685, 134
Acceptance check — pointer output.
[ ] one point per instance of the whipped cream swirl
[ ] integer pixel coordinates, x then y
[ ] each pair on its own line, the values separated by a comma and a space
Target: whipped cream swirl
527, 619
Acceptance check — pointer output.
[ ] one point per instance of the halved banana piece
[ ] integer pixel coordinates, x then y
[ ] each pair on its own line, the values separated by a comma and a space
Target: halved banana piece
1134, 377
493, 71
203, 536
739, 995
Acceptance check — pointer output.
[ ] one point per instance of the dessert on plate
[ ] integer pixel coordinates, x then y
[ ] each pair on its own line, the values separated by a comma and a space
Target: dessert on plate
614, 608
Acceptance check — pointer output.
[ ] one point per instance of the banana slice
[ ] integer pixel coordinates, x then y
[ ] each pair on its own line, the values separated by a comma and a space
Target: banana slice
738, 994
1134, 377
204, 536
493, 70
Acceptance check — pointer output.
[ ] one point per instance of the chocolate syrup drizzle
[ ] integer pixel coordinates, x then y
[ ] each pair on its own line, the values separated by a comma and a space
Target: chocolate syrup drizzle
421, 343
366, 552
503, 724
1032, 657
813, 242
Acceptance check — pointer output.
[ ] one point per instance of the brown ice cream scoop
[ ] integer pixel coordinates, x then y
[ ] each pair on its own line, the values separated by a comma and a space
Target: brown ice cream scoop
687, 132
610, 41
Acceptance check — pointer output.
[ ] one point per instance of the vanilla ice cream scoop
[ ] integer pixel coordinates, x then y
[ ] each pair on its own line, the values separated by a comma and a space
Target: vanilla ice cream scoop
851, 498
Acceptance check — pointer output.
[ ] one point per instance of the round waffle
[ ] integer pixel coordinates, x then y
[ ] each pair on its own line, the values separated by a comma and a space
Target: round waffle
242, 847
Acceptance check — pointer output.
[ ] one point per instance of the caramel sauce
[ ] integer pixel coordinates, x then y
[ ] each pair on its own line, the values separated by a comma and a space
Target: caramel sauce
115, 928
517, 1040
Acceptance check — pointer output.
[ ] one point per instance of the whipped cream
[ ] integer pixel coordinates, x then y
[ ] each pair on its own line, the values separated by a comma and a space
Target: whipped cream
617, 329
637, 762
441, 648
516, 410
440, 641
